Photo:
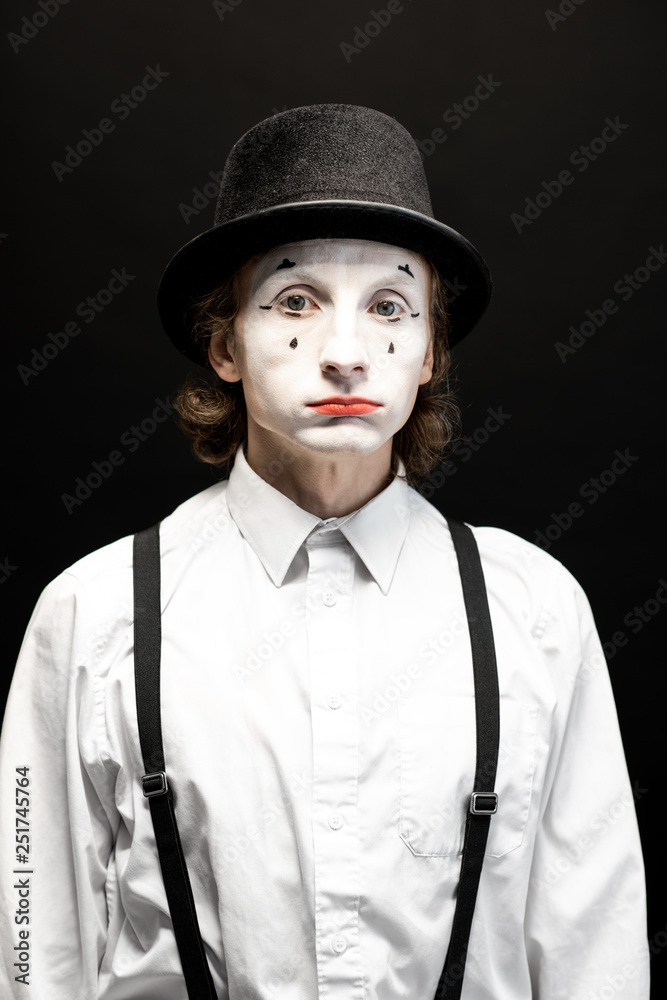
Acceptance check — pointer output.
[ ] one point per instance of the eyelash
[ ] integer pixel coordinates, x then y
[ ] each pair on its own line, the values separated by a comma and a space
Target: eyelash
293, 312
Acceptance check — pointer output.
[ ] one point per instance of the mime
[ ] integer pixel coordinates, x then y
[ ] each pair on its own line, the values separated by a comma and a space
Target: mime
319, 700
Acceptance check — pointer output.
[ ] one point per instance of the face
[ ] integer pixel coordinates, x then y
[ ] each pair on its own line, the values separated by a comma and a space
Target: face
331, 342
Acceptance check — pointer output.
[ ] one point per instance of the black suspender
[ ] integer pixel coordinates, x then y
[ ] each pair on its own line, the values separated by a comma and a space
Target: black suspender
147, 648
483, 802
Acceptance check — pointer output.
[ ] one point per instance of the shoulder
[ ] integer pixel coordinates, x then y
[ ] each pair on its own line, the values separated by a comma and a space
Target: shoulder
86, 612
110, 566
497, 546
517, 572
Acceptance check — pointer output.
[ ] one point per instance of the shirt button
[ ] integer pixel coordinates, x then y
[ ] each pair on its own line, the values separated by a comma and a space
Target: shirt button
339, 944
334, 701
335, 821
329, 599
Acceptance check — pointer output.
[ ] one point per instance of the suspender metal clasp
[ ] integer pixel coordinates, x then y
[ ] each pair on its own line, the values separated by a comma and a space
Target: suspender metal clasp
483, 803
155, 784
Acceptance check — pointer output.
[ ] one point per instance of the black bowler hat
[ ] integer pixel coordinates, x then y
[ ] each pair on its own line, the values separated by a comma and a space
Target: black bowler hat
322, 171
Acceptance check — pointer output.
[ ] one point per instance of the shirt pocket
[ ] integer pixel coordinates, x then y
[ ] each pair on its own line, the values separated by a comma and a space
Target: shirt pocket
437, 766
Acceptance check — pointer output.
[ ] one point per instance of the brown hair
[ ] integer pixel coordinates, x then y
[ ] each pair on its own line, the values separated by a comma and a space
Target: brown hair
214, 416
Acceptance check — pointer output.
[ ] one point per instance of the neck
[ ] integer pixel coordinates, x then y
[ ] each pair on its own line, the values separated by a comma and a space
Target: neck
325, 484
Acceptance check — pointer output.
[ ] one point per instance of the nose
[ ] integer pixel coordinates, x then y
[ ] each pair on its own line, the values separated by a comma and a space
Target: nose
344, 350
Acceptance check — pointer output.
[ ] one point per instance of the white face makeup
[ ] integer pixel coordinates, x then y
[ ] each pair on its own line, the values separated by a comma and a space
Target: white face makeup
331, 319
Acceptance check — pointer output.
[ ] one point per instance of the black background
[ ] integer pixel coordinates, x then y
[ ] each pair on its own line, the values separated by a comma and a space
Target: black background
122, 207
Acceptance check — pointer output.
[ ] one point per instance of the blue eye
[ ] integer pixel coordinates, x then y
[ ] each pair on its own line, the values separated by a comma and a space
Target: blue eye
386, 307
295, 303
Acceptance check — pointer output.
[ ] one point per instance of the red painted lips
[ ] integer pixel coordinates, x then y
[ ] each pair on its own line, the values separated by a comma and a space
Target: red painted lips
345, 406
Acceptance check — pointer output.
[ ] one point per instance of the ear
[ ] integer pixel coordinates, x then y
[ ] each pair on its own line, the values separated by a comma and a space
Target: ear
221, 360
427, 367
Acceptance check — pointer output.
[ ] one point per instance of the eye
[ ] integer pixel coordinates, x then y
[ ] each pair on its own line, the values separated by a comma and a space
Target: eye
296, 303
385, 307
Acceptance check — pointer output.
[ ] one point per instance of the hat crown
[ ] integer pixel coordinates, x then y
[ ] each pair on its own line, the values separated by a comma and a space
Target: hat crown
322, 152
323, 171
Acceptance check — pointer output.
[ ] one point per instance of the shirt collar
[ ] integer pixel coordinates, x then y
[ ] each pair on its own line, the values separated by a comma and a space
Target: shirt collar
276, 527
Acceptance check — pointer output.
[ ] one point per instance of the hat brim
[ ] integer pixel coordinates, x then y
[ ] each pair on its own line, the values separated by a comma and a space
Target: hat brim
205, 261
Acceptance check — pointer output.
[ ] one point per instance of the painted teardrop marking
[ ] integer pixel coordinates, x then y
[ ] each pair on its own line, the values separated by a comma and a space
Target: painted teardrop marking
391, 348
293, 343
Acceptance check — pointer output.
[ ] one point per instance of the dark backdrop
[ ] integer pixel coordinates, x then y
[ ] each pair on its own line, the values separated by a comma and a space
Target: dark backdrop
575, 275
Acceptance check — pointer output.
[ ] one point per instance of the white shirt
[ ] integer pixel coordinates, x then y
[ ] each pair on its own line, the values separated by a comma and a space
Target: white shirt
318, 723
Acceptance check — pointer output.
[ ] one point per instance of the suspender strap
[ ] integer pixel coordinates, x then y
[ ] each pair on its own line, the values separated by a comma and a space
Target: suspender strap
484, 801
147, 647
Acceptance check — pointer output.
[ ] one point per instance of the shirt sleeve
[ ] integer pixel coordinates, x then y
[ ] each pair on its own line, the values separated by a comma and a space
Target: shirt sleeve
586, 909
55, 846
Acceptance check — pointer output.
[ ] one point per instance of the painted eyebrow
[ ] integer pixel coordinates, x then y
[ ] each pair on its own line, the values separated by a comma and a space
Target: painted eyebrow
397, 279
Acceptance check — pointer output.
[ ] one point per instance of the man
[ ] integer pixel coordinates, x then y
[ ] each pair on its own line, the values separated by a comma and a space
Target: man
318, 706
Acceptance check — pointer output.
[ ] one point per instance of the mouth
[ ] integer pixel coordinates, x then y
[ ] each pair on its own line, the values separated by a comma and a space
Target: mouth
345, 406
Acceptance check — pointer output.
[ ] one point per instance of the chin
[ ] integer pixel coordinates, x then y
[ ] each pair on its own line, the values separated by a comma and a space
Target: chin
351, 440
